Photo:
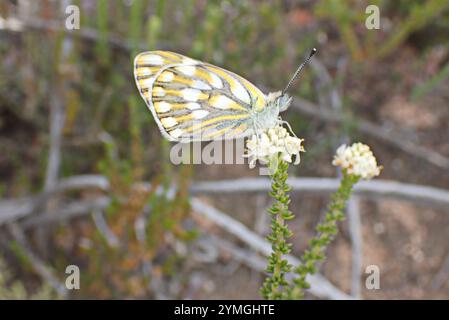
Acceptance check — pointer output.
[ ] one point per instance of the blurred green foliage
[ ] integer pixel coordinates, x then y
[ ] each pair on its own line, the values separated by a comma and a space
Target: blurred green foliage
412, 16
16, 290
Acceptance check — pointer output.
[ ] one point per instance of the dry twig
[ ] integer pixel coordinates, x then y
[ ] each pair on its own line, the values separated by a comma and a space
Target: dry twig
373, 189
14, 209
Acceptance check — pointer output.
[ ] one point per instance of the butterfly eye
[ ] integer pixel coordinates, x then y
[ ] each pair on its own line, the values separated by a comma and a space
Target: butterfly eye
284, 102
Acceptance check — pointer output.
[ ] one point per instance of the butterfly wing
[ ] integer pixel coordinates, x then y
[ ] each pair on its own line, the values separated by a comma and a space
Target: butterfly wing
192, 100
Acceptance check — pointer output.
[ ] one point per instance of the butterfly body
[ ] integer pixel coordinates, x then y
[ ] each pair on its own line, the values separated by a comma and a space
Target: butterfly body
192, 100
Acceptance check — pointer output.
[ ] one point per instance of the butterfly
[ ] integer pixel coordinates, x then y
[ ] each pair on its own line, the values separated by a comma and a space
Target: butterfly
193, 100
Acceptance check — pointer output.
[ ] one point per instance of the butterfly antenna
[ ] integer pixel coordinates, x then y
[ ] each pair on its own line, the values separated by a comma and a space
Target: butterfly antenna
298, 71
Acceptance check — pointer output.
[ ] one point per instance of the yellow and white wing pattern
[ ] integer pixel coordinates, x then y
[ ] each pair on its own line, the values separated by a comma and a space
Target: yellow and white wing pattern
192, 100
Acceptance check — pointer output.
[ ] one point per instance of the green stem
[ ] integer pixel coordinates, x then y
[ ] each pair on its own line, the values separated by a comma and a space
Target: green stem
326, 232
278, 266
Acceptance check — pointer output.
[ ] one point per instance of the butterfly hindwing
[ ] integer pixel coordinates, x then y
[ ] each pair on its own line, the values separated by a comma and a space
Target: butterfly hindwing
191, 100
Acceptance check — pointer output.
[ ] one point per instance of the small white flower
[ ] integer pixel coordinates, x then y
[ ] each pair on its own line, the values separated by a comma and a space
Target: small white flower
357, 159
271, 143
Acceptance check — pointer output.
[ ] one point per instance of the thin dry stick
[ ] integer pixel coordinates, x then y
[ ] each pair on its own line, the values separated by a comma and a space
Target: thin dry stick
325, 83
57, 120
13, 209
19, 208
56, 124
103, 228
418, 194
248, 257
69, 211
86, 33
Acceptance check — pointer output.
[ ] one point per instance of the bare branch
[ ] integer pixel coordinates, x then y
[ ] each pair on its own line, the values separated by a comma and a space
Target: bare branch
325, 83
248, 257
86, 33
13, 209
75, 209
81, 182
57, 119
373, 189
102, 226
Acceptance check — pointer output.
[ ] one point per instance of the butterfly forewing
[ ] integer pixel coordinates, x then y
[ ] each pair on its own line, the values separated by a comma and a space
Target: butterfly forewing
192, 100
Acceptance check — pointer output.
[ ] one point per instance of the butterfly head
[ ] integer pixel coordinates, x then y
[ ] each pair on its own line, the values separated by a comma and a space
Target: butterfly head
278, 101
283, 102
268, 117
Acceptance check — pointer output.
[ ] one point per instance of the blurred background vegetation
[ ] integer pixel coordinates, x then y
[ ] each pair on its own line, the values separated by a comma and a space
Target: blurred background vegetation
69, 108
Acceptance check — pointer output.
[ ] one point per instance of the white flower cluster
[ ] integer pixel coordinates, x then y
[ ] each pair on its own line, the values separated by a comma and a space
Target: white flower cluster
357, 159
271, 143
